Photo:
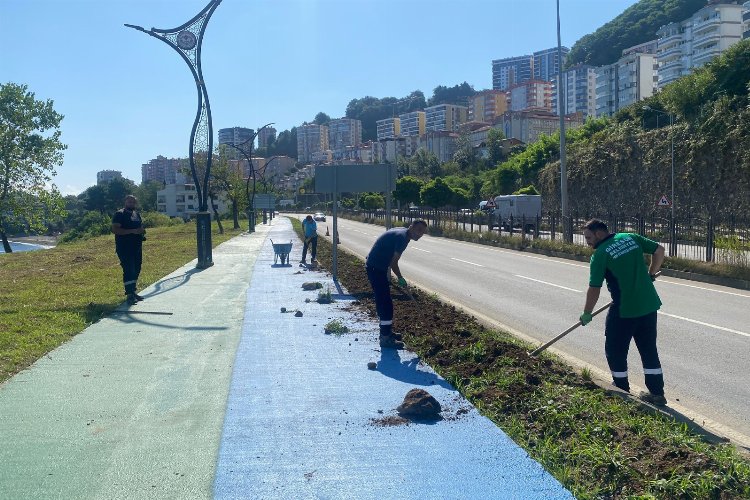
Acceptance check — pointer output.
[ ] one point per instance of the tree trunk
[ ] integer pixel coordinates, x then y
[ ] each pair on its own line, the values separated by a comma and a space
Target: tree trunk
216, 214
6, 245
235, 215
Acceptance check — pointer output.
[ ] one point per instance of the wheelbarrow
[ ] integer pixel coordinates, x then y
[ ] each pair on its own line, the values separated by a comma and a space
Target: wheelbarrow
281, 252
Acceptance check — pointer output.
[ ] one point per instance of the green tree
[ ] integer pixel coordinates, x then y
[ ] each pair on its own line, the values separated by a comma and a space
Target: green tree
458, 94
95, 198
408, 189
530, 189
322, 119
436, 193
146, 194
495, 138
284, 145
371, 201
30, 148
461, 198
117, 190
227, 179
465, 157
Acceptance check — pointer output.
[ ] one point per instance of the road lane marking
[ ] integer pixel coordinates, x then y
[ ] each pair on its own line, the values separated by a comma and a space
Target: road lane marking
705, 324
548, 283
704, 288
467, 262
421, 250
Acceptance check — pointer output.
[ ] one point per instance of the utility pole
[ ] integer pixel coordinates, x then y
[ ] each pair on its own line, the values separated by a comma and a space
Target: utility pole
567, 233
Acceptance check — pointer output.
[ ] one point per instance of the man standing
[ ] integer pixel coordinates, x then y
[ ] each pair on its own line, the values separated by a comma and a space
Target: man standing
129, 236
311, 238
385, 253
618, 258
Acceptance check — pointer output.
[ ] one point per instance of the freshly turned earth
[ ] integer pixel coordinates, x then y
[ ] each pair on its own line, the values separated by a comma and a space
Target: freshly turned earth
419, 403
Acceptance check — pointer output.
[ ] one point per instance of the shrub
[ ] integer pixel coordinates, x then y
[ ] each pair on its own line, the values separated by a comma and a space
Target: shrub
91, 225
155, 219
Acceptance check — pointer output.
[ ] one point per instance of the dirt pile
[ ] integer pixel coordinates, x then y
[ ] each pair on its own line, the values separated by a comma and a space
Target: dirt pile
419, 404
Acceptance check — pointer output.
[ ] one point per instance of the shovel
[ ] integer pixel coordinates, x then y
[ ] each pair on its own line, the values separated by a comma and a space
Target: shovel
543, 347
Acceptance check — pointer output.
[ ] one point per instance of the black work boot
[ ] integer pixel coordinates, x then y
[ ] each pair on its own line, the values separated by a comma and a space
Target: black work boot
390, 342
654, 399
131, 299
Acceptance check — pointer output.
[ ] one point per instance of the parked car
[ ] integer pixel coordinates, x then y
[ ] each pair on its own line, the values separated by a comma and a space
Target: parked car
319, 216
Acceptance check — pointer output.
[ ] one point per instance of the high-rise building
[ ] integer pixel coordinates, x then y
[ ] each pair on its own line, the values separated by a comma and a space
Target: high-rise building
266, 136
487, 105
235, 135
163, 169
579, 86
343, 132
511, 71
689, 44
531, 95
311, 138
103, 176
388, 128
445, 117
629, 80
547, 64
412, 123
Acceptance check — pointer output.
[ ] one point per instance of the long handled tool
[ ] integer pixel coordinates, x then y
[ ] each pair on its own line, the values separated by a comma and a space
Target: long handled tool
541, 348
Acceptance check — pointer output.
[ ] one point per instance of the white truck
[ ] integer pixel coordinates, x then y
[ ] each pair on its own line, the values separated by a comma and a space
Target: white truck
521, 209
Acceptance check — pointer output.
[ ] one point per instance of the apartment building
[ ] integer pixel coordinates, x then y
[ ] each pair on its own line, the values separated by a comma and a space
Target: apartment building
579, 88
181, 200
689, 44
487, 105
388, 128
235, 136
162, 169
547, 64
441, 143
412, 124
528, 126
511, 71
389, 149
266, 136
104, 176
531, 95
320, 157
633, 78
311, 138
445, 117
343, 132
746, 21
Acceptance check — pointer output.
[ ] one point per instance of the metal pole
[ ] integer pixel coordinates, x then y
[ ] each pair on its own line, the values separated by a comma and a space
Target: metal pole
671, 132
335, 222
561, 110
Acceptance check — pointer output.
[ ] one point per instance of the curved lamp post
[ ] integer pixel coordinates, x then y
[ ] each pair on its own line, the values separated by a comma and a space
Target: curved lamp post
186, 40
246, 148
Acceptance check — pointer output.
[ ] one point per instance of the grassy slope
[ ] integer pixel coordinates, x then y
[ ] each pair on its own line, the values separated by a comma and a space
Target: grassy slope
48, 296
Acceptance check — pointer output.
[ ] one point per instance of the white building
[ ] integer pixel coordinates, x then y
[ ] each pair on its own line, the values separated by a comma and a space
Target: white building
531, 95
629, 80
181, 200
311, 138
413, 123
528, 126
319, 157
689, 44
103, 176
388, 128
579, 85
343, 132
441, 143
445, 117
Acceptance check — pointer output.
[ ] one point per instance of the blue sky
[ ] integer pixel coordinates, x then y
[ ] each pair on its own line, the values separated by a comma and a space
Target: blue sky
127, 97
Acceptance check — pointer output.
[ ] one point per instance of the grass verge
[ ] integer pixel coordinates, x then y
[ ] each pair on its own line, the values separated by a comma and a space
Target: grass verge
593, 441
48, 296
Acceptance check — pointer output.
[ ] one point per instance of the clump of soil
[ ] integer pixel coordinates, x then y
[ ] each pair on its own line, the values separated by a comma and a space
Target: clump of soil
390, 421
419, 404
312, 285
298, 314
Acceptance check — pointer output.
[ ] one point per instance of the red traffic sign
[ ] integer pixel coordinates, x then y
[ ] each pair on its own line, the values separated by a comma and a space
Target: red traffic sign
490, 203
664, 201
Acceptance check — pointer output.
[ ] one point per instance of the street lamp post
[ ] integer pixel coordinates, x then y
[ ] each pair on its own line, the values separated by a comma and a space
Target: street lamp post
186, 40
672, 249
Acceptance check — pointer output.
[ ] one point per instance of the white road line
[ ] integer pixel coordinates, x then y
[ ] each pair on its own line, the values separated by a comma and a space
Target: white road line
421, 250
547, 283
706, 324
703, 288
467, 262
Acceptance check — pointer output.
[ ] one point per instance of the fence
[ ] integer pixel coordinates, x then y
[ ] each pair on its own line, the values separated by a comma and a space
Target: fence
725, 240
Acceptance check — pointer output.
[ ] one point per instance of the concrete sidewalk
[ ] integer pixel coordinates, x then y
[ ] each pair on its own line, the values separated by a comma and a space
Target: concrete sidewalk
230, 398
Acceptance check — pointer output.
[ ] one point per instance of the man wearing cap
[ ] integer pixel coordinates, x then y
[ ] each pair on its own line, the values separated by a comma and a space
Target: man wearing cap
129, 235
619, 258
385, 254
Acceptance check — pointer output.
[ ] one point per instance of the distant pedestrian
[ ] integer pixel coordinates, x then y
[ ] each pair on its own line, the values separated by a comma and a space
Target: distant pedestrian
311, 238
619, 258
385, 254
129, 235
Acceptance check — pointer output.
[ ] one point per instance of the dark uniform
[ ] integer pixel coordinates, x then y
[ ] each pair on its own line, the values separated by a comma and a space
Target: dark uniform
379, 260
129, 247
619, 259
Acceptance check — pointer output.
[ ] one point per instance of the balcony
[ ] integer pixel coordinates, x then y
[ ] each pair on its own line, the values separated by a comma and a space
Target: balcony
672, 51
706, 39
702, 25
702, 57
668, 40
674, 63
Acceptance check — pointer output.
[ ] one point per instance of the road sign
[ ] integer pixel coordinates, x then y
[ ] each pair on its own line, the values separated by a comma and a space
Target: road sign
265, 201
490, 203
664, 201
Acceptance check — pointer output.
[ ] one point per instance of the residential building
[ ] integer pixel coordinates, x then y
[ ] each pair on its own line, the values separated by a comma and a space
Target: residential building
235, 136
388, 128
319, 157
579, 86
441, 143
528, 126
362, 153
511, 71
629, 80
746, 21
163, 169
531, 95
547, 64
689, 44
181, 200
311, 138
277, 166
649, 47
343, 132
266, 136
412, 124
487, 105
103, 176
445, 117
390, 149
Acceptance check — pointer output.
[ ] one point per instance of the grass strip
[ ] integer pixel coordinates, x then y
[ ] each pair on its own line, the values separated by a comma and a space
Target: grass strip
48, 296
594, 442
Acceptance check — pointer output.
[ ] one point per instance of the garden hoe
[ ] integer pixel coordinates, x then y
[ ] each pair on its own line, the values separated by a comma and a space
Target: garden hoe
541, 348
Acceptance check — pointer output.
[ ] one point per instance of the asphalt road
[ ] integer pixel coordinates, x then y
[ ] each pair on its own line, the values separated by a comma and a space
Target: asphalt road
704, 330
